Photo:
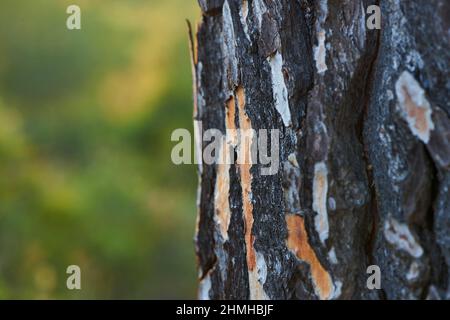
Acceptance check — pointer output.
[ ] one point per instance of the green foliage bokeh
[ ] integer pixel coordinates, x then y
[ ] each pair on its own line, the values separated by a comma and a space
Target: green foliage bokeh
85, 171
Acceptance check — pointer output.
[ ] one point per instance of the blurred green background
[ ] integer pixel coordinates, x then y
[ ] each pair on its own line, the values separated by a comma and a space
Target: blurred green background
85, 170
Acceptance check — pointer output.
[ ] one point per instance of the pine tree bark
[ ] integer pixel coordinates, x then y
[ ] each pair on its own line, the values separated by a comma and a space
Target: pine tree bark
364, 153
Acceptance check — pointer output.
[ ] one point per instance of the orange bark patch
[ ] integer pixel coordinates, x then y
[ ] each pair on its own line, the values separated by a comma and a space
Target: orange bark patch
415, 112
246, 179
298, 243
221, 196
416, 109
244, 120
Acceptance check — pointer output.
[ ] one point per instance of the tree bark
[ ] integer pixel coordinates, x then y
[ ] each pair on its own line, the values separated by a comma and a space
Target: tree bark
364, 172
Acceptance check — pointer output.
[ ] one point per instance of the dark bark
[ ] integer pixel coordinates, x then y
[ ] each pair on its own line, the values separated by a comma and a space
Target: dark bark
364, 149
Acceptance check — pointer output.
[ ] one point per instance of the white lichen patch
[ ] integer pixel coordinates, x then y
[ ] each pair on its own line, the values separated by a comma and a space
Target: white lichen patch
229, 42
413, 272
279, 88
323, 14
399, 235
261, 267
291, 187
332, 256
204, 287
332, 203
337, 290
256, 288
257, 278
228, 28
259, 8
389, 95
293, 160
320, 51
362, 25
198, 145
414, 106
201, 103
243, 15
320, 190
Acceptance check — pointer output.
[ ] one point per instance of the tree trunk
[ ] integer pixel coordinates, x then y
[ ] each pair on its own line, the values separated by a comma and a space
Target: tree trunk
364, 149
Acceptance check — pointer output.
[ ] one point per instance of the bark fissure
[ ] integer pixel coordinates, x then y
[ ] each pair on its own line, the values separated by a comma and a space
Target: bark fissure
373, 209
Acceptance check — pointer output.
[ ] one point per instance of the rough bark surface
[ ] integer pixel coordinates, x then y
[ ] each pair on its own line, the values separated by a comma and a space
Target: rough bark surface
364, 172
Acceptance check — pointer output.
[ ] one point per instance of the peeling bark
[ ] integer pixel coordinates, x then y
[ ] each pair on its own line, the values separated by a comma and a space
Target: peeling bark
364, 151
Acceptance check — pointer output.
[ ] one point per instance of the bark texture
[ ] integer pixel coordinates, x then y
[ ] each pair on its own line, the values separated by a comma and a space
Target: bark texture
364, 171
